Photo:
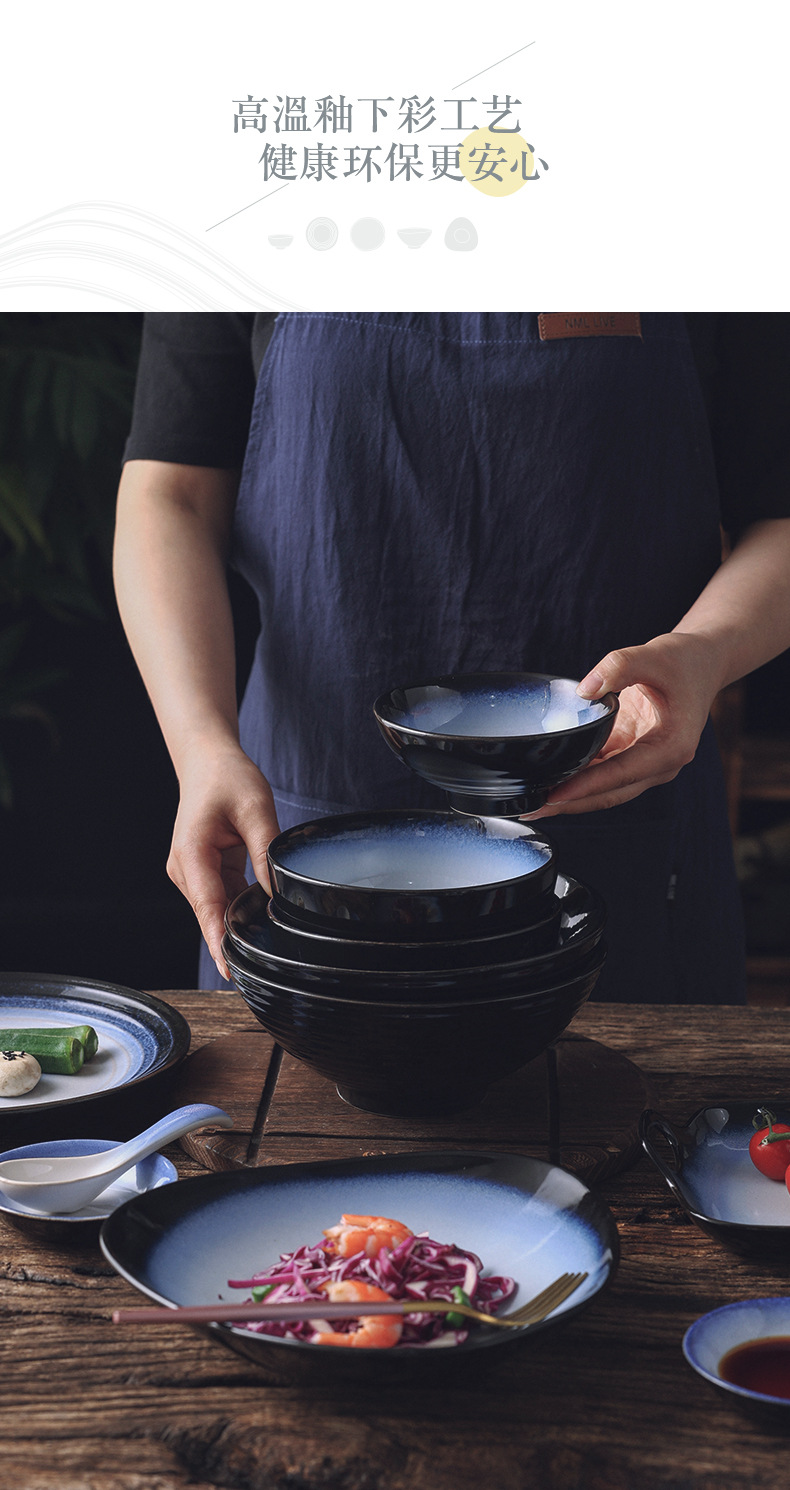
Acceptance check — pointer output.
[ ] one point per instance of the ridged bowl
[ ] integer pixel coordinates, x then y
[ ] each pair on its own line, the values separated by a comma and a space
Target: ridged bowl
417, 1056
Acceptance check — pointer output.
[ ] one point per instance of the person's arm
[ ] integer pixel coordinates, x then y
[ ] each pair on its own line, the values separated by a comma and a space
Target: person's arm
667, 687
172, 534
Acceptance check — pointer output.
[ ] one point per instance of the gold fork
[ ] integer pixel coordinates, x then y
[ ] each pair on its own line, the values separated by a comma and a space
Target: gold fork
531, 1313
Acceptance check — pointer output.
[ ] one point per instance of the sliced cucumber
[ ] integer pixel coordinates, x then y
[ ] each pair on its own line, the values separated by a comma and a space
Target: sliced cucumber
60, 1052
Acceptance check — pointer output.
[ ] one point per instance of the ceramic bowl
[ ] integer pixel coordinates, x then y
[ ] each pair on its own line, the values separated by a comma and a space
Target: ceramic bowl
405, 874
523, 1218
715, 1181
710, 1339
149, 1174
496, 742
414, 1057
415, 970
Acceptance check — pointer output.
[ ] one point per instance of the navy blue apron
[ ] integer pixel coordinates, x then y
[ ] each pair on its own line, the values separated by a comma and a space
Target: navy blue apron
431, 493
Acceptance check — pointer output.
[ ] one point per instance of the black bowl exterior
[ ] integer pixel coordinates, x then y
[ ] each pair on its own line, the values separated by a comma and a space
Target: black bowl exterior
415, 1059
305, 945
368, 911
488, 776
250, 938
373, 987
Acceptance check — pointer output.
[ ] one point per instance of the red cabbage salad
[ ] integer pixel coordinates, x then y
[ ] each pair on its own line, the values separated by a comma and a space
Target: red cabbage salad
378, 1258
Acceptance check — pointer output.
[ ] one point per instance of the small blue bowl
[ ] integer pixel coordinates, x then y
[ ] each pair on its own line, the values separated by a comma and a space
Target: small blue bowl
711, 1337
497, 742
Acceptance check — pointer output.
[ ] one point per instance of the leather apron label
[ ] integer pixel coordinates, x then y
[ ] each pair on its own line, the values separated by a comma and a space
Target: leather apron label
611, 323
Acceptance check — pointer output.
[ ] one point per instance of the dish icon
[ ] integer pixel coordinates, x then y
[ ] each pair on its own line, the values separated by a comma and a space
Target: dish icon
281, 240
414, 237
367, 233
461, 235
322, 233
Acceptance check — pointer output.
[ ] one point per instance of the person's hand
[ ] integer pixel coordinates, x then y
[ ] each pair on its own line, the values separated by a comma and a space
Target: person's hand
666, 689
226, 812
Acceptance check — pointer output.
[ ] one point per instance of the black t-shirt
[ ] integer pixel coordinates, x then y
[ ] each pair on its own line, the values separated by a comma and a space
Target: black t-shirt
197, 375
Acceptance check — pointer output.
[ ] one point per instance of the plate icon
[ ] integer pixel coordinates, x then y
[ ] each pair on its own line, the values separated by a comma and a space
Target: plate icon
367, 233
322, 233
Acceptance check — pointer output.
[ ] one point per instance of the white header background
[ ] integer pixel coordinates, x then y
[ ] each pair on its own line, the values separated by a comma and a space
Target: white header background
125, 186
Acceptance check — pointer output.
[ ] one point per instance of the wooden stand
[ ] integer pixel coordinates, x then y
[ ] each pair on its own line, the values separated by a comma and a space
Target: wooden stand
577, 1105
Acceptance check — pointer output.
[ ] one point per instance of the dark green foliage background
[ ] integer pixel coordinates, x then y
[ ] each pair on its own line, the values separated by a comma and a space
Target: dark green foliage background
87, 794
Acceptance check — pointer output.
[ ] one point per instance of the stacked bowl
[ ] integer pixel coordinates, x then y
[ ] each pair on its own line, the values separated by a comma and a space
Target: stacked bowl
414, 957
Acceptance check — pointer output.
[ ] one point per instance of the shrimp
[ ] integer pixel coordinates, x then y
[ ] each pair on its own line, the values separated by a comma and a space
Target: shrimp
371, 1330
368, 1234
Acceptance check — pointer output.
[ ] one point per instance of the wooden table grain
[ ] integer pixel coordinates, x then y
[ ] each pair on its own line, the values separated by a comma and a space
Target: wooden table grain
608, 1403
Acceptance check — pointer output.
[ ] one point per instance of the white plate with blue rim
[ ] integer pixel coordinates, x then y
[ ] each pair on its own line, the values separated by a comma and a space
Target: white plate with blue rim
139, 1036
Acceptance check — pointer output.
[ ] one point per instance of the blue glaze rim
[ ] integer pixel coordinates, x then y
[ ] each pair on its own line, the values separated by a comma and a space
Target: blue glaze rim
148, 1216
699, 1327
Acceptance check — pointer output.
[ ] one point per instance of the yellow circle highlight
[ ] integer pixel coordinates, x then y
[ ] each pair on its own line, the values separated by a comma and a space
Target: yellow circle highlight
495, 163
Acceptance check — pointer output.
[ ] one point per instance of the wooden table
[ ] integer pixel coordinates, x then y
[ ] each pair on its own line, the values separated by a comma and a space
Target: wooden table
606, 1404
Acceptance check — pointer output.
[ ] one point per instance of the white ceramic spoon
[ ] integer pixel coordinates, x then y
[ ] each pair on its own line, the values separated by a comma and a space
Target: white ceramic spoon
52, 1186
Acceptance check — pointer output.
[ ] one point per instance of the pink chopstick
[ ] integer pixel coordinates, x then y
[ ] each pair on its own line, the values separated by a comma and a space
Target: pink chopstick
227, 1313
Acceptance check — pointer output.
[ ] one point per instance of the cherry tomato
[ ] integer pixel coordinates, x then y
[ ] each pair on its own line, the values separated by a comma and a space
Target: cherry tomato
769, 1148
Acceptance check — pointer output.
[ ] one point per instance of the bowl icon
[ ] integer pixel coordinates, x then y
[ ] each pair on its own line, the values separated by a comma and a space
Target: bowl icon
414, 237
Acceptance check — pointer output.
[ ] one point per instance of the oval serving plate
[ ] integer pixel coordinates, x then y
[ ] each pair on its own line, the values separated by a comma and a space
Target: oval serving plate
139, 1036
715, 1181
524, 1218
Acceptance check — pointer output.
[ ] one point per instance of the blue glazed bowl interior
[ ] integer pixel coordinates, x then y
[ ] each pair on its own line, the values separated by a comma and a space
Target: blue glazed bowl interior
415, 872
497, 711
418, 853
